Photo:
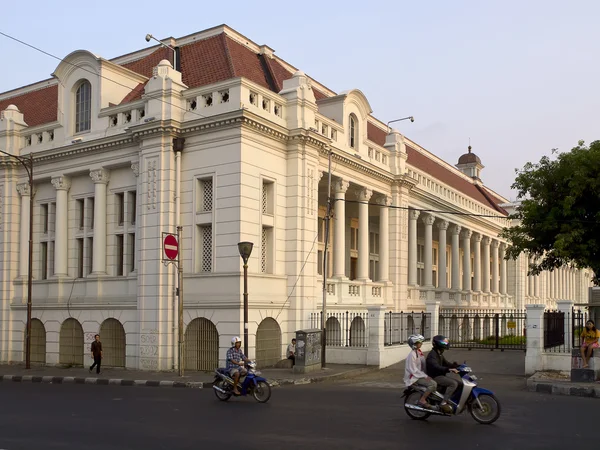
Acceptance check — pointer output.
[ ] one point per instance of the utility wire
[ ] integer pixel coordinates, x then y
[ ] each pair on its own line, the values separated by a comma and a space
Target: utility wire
95, 74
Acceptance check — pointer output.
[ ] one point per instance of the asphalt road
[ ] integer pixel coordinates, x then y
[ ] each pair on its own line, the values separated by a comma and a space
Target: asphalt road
364, 413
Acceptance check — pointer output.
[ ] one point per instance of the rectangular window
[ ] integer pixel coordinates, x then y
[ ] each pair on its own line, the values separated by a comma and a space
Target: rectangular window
80, 212
264, 251
321, 229
90, 212
120, 208
119, 261
131, 243
268, 197
44, 217
320, 262
44, 261
131, 207
204, 200
90, 255
79, 258
205, 238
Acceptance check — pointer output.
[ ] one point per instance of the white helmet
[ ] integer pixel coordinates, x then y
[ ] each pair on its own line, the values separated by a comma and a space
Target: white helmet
414, 339
234, 340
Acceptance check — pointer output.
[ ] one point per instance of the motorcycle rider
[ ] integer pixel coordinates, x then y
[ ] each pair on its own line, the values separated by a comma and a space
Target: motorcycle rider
414, 372
235, 363
437, 367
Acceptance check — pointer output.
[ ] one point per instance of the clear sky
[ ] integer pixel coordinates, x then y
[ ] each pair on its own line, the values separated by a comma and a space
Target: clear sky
516, 77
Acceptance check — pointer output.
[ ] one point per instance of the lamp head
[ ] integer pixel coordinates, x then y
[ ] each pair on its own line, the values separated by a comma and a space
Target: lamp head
148, 37
245, 249
412, 119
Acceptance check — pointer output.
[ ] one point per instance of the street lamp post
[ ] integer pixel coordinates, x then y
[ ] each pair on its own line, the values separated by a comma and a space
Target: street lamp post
245, 249
28, 164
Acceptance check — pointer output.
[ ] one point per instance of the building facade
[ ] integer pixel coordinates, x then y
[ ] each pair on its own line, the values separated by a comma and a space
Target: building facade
232, 143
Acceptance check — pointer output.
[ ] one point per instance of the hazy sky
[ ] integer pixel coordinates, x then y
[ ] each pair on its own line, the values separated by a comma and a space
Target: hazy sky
517, 77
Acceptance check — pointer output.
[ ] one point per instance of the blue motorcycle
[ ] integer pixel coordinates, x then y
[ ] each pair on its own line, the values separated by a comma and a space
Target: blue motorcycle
483, 406
252, 384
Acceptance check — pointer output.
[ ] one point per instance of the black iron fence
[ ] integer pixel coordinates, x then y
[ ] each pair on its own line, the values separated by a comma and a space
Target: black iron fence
554, 329
472, 329
398, 326
578, 320
343, 329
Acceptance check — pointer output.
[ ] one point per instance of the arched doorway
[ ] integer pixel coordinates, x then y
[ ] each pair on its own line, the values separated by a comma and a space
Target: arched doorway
358, 333
70, 343
334, 332
112, 336
201, 345
268, 343
38, 342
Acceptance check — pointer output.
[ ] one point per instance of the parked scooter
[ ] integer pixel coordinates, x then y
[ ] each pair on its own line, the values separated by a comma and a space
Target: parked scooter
252, 384
481, 403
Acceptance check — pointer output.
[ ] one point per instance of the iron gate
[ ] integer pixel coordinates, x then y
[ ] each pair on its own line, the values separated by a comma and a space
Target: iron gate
112, 336
268, 343
485, 329
70, 343
201, 345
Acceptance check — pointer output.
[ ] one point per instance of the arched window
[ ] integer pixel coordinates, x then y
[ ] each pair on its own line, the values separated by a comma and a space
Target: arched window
83, 107
353, 125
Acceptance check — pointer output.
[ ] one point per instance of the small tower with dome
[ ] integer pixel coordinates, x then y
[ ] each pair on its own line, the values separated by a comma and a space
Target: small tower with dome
470, 165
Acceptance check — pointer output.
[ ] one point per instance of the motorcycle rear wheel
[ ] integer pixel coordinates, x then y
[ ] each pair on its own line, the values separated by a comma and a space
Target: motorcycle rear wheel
261, 392
225, 386
413, 399
490, 412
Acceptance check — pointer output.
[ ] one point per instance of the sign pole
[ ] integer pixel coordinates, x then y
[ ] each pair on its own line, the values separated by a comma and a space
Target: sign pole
180, 296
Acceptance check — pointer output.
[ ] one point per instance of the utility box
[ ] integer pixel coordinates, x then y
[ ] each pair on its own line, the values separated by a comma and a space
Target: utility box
308, 350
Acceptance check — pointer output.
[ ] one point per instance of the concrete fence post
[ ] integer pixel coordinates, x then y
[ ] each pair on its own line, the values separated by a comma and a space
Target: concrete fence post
566, 306
433, 308
535, 338
376, 335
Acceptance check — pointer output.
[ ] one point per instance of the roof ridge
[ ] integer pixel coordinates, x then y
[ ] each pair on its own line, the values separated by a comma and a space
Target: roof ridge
228, 54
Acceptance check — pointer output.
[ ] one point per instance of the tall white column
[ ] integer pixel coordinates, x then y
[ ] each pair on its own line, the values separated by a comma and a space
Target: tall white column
477, 262
364, 195
442, 269
61, 249
551, 284
495, 245
466, 236
339, 236
503, 280
384, 237
428, 220
455, 230
413, 215
536, 286
486, 264
100, 178
23, 190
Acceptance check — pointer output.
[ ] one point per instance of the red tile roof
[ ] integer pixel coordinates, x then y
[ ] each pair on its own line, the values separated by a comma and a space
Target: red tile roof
145, 65
38, 107
438, 171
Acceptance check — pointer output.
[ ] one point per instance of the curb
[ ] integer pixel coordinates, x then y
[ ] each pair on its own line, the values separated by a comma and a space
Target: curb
563, 388
100, 381
174, 384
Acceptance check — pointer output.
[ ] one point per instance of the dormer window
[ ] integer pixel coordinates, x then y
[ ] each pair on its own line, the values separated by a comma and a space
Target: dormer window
83, 107
353, 131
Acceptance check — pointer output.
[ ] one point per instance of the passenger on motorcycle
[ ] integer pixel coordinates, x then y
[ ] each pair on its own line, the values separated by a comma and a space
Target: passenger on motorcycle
438, 367
414, 372
235, 363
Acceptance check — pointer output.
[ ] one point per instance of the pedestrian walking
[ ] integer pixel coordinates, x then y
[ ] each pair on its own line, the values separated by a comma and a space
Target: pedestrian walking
96, 354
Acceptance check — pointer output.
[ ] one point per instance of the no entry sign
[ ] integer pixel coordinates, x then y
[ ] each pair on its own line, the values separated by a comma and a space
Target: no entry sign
171, 246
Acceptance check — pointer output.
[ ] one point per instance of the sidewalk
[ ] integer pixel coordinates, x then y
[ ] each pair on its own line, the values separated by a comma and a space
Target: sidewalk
198, 380
556, 384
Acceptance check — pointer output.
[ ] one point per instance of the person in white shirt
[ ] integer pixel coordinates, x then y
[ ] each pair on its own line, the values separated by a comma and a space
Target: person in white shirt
291, 352
414, 373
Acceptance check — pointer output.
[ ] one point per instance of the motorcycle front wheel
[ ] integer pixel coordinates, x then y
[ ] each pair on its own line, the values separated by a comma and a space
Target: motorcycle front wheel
225, 386
489, 411
413, 399
262, 392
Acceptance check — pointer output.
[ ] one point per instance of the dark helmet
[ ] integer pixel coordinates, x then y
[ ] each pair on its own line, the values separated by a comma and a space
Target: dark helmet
440, 342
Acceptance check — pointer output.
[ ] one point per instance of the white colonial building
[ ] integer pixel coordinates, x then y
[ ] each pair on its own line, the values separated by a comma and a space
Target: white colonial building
232, 144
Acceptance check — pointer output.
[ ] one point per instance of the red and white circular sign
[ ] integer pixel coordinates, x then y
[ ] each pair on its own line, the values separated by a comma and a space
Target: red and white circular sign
171, 246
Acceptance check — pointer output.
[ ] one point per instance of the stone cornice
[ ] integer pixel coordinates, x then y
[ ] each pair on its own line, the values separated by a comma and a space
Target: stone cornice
82, 149
357, 166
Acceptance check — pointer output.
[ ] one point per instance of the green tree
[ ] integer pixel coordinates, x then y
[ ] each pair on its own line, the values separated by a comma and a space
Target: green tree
559, 211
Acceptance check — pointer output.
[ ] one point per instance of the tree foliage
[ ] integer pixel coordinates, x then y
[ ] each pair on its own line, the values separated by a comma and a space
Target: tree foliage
559, 211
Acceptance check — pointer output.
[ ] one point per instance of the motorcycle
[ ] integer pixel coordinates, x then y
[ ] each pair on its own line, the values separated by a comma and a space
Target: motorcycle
252, 384
483, 406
